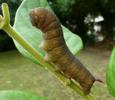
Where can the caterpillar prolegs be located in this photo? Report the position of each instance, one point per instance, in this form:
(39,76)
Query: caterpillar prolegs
(57,51)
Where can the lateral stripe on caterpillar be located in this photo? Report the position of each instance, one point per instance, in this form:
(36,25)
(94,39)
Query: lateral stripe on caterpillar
(57,51)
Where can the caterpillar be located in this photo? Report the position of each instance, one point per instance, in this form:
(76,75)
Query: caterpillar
(56,49)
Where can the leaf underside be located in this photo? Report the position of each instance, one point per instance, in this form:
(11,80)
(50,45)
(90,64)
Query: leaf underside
(33,36)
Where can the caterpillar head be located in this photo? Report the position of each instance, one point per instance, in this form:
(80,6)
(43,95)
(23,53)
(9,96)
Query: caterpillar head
(37,17)
(41,17)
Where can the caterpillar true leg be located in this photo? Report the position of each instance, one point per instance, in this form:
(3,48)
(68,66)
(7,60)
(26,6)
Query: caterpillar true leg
(41,46)
(46,58)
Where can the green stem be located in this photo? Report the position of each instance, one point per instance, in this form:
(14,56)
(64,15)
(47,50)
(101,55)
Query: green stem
(37,56)
(11,32)
(6,13)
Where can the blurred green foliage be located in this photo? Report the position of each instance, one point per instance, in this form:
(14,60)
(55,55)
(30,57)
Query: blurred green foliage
(6,42)
(78,15)
(19,95)
(110,73)
(73,14)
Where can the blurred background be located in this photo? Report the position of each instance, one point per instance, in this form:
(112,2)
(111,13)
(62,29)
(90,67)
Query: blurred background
(6,42)
(93,21)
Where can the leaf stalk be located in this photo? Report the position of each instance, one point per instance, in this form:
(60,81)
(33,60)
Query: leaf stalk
(5,25)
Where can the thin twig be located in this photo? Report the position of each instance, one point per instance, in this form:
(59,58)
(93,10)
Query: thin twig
(12,33)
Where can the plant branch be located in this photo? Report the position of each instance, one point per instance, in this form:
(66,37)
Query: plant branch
(6,13)
(5,25)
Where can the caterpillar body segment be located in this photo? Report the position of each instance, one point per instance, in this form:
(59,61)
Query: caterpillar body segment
(56,49)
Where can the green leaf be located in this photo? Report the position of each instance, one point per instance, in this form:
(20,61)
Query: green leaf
(110,76)
(33,36)
(19,95)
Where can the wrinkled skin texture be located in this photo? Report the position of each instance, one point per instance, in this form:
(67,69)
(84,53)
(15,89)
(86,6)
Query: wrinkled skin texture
(57,51)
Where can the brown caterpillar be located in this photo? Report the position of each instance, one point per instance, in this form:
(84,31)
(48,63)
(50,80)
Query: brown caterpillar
(57,51)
